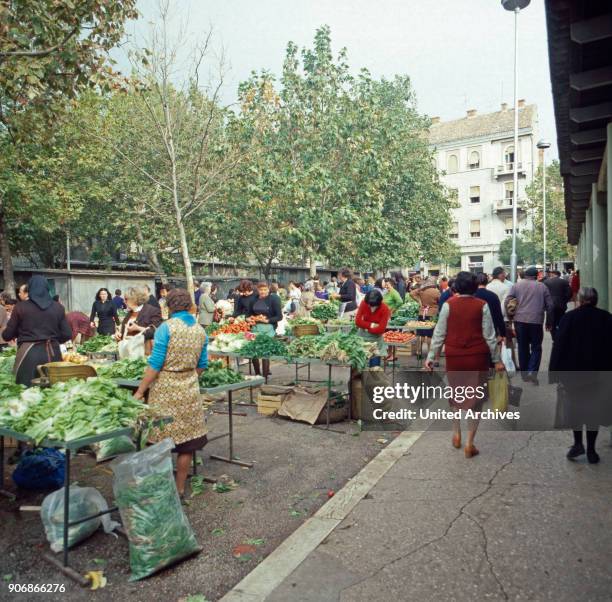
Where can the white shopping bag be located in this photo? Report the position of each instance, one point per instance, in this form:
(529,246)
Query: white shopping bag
(132,347)
(506,358)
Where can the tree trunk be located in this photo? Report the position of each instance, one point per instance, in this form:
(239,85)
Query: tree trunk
(312,267)
(152,257)
(5,253)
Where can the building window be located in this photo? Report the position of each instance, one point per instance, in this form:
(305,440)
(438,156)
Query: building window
(452,164)
(509,157)
(454,231)
(476,258)
(474,194)
(475,228)
(509,193)
(474,162)
(508,226)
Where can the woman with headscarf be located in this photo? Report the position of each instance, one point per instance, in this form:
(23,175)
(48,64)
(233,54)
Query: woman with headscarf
(206,307)
(39,325)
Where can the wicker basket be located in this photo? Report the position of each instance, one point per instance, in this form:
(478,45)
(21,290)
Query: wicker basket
(302,330)
(57,372)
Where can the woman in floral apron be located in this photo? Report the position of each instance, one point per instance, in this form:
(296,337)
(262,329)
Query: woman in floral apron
(179,356)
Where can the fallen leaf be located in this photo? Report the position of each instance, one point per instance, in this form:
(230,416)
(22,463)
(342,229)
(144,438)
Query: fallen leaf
(99,561)
(256,542)
(217,532)
(221,488)
(96,579)
(197,485)
(295,513)
(7,577)
(381,440)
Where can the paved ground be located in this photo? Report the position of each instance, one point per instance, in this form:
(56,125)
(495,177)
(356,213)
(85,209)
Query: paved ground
(518,522)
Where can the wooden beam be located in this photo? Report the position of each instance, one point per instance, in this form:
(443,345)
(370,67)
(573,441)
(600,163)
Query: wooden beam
(588,80)
(582,180)
(588,137)
(580,189)
(588,154)
(591,30)
(591,113)
(586,168)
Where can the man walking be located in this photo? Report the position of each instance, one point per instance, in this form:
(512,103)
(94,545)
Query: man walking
(533,301)
(561,293)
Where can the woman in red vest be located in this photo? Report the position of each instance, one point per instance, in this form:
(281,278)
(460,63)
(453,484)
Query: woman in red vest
(466,328)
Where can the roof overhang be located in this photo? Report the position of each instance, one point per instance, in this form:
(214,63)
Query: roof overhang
(580,53)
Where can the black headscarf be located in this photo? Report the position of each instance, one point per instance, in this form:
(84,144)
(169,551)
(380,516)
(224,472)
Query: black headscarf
(38,291)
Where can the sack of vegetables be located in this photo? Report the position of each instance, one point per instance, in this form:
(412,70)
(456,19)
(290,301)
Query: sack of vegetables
(157,528)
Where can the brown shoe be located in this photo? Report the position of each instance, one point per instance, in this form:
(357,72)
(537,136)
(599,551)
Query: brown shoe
(470,451)
(457,441)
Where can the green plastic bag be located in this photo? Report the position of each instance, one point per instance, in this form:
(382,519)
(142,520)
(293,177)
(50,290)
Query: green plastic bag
(498,391)
(151,511)
(111,448)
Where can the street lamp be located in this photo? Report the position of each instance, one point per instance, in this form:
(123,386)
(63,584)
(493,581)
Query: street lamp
(543,145)
(515,6)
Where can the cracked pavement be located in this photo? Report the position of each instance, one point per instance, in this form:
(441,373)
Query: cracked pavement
(518,522)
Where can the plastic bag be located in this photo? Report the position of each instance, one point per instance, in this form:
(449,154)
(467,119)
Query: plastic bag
(111,448)
(41,468)
(84,501)
(498,391)
(506,358)
(153,518)
(132,347)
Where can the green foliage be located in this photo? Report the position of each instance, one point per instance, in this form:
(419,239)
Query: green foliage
(526,251)
(218,374)
(131,369)
(263,346)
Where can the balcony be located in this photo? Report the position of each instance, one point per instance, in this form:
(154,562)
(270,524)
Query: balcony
(507,169)
(505,205)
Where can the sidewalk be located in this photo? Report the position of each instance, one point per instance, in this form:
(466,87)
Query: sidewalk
(518,522)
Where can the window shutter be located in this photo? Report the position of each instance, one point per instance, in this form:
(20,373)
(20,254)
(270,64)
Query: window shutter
(508,221)
(474,191)
(454,228)
(475,226)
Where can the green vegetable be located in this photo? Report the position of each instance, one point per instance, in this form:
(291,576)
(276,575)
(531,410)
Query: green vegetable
(95,343)
(126,368)
(9,352)
(157,528)
(263,346)
(325,311)
(6,364)
(218,374)
(71,410)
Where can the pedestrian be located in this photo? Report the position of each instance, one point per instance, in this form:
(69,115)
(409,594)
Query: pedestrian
(118,300)
(307,300)
(332,286)
(152,300)
(40,327)
(320,292)
(500,286)
(465,327)
(580,361)
(80,324)
(575,284)
(206,308)
(348,292)
(391,298)
(22,293)
(4,316)
(443,284)
(164,289)
(196,292)
(494,305)
(214,292)
(446,294)
(533,305)
(268,308)
(105,310)
(179,356)
(561,294)
(243,303)
(371,320)
(428,295)
(400,284)
(142,317)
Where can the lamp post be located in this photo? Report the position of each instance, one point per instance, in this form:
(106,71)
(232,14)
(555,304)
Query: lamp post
(515,6)
(543,145)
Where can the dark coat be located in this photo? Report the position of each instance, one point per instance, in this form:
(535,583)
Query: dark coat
(560,291)
(107,316)
(243,306)
(270,307)
(495,308)
(583,341)
(348,295)
(29,324)
(149,317)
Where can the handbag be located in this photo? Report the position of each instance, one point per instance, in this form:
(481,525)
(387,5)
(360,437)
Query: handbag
(498,391)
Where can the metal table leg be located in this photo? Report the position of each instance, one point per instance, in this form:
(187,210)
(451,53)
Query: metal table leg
(3,492)
(328,404)
(231,459)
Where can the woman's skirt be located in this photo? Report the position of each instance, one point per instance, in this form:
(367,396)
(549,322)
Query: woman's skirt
(266,329)
(32,355)
(191,446)
(106,327)
(467,371)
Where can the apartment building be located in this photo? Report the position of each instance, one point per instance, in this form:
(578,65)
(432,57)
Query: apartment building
(475,157)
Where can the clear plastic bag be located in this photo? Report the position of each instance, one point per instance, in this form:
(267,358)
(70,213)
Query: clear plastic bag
(151,511)
(506,358)
(83,502)
(111,448)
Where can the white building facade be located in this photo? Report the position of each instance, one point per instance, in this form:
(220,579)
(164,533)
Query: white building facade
(475,158)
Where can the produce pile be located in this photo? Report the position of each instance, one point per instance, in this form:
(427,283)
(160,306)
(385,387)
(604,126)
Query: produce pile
(394,336)
(218,374)
(235,326)
(421,325)
(304,322)
(70,410)
(263,346)
(74,358)
(100,342)
(337,346)
(325,311)
(7,360)
(8,387)
(404,313)
(127,368)
(229,343)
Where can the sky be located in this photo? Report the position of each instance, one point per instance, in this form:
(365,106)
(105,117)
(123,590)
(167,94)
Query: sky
(458,53)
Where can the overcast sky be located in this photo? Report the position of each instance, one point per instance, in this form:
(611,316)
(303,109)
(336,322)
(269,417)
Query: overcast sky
(458,53)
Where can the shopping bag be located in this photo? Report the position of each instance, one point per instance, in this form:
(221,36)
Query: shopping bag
(506,358)
(498,391)
(132,347)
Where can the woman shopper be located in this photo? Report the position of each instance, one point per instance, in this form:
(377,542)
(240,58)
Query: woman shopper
(400,284)
(307,301)
(582,344)
(22,293)
(348,292)
(268,307)
(391,298)
(428,295)
(243,303)
(206,307)
(466,328)
(142,318)
(179,356)
(371,320)
(39,325)
(105,310)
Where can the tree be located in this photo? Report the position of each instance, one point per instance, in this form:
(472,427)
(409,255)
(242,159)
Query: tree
(557,247)
(49,52)
(526,251)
